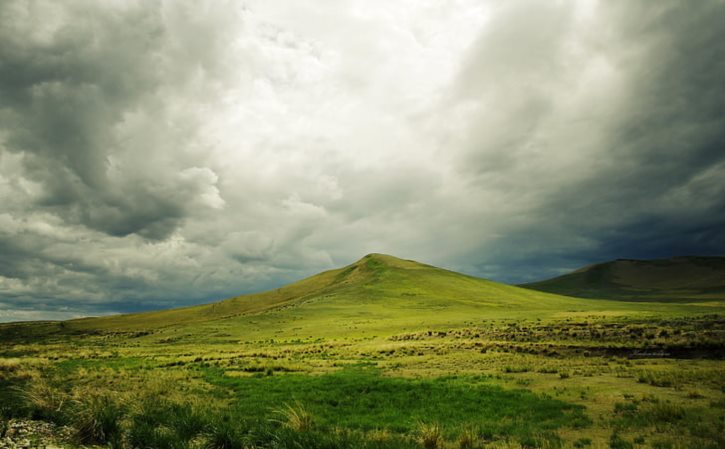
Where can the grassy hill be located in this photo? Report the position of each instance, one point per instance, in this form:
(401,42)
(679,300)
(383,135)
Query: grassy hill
(382,353)
(675,279)
(379,295)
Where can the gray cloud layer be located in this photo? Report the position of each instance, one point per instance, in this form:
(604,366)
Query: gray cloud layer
(161,153)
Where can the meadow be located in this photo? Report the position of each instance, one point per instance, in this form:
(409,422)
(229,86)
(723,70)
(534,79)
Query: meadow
(387,353)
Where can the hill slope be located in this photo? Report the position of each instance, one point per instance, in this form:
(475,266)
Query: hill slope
(379,295)
(376,284)
(679,278)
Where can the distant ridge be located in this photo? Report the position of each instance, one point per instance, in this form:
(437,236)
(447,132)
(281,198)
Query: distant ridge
(683,278)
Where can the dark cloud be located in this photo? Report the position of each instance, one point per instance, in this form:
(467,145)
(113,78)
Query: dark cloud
(64,96)
(650,184)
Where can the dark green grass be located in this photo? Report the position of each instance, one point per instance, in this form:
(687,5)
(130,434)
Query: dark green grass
(702,425)
(362,399)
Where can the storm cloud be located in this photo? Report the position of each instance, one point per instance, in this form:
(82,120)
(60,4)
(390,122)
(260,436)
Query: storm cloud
(163,153)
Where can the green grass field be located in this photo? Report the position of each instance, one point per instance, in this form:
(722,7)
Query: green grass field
(382,353)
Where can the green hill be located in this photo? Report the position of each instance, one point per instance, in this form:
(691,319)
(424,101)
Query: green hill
(377,287)
(377,295)
(676,279)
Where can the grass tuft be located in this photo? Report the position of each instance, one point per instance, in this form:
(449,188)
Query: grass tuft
(468,438)
(224,434)
(296,417)
(96,420)
(429,435)
(617,442)
(44,401)
(4,426)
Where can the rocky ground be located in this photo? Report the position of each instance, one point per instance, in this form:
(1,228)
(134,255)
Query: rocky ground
(21,433)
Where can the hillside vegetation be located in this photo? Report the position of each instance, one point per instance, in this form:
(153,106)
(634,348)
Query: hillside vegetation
(683,279)
(379,294)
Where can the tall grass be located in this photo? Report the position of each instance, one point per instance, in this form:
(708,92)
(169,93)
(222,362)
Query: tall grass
(468,438)
(429,435)
(224,433)
(97,420)
(4,426)
(295,417)
(44,401)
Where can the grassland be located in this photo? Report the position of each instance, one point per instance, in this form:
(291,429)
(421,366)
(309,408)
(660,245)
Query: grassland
(382,353)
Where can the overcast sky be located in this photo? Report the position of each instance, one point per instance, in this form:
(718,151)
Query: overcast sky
(163,153)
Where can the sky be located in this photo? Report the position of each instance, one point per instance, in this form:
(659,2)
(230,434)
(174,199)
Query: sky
(163,153)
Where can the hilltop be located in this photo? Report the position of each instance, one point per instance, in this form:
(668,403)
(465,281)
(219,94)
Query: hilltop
(685,278)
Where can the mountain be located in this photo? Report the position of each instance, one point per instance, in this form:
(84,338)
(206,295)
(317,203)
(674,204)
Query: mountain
(685,278)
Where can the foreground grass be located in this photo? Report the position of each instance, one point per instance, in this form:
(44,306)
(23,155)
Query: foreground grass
(350,408)
(581,381)
(364,400)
